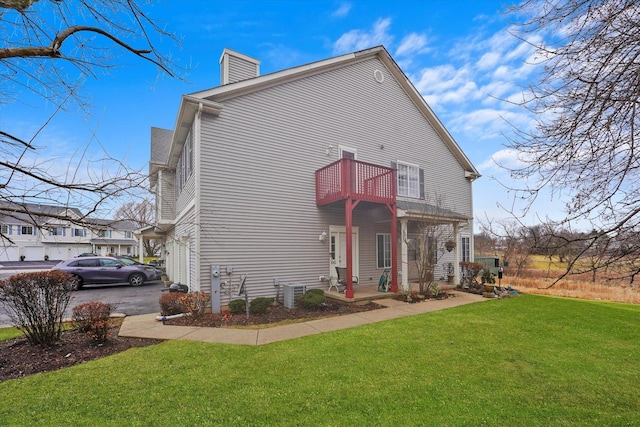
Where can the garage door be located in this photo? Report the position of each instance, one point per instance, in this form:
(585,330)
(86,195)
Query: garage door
(33,253)
(75,251)
(59,253)
(9,253)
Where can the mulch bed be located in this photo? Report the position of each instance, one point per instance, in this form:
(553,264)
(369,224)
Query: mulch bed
(275,314)
(19,359)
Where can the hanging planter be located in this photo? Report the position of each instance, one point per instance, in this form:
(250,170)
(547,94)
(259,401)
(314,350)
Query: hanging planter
(449,245)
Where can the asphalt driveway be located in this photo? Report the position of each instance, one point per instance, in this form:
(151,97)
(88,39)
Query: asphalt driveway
(129,300)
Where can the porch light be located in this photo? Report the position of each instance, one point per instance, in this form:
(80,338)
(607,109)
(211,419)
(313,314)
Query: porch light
(322,237)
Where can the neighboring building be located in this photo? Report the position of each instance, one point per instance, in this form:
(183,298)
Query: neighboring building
(268,175)
(59,232)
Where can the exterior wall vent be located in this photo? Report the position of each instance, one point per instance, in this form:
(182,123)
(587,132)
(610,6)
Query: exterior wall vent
(235,67)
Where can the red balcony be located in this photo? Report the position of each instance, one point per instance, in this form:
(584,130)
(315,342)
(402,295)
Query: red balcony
(348,178)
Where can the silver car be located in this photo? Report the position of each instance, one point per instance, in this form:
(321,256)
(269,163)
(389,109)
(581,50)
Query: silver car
(104,270)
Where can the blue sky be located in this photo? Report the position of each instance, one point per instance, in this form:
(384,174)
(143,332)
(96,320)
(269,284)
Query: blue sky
(458,54)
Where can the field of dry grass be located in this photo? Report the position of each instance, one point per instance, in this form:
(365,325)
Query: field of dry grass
(537,280)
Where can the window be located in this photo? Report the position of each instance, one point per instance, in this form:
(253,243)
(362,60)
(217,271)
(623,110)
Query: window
(104,233)
(79,232)
(57,231)
(383,250)
(86,263)
(25,229)
(184,168)
(128,250)
(128,234)
(466,249)
(410,180)
(106,262)
(6,229)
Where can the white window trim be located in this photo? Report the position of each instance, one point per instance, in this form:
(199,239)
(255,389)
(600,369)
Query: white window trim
(342,148)
(385,241)
(413,192)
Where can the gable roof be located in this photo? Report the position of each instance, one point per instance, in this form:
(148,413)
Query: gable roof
(35,213)
(210,100)
(42,215)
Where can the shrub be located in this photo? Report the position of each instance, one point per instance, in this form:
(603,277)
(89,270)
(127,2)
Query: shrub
(36,303)
(92,318)
(260,305)
(171,303)
(312,299)
(237,306)
(194,303)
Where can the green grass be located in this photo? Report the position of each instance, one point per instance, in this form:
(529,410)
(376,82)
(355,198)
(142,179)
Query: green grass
(527,361)
(9,333)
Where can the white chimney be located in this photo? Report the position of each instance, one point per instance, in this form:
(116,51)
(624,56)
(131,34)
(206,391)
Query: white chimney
(235,66)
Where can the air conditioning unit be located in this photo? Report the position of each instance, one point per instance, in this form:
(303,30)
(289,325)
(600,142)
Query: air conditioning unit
(291,291)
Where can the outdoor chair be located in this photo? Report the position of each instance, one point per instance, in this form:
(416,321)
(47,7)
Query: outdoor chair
(342,277)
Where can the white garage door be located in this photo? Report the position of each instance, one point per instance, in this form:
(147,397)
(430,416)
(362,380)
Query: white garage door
(9,253)
(59,253)
(33,253)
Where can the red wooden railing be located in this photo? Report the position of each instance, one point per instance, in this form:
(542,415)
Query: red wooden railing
(348,178)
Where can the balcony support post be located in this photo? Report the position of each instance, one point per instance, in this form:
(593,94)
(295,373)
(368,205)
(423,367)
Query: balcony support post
(350,205)
(394,246)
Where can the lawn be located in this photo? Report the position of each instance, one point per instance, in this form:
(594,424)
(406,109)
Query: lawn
(527,361)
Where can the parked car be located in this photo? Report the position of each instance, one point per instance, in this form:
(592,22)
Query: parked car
(130,261)
(86,254)
(105,270)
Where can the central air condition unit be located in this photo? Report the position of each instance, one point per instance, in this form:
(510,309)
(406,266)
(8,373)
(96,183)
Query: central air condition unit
(291,291)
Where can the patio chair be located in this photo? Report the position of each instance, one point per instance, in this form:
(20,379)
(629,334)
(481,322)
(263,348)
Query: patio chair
(342,277)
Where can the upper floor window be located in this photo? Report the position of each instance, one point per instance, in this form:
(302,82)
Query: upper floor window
(410,180)
(128,234)
(184,168)
(104,233)
(6,229)
(25,229)
(79,232)
(57,231)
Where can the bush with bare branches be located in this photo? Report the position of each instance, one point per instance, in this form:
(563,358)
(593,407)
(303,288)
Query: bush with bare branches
(36,303)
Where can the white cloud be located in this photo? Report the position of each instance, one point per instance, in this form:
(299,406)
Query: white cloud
(505,158)
(359,39)
(342,11)
(411,44)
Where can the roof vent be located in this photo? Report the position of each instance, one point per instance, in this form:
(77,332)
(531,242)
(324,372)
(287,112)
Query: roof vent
(235,67)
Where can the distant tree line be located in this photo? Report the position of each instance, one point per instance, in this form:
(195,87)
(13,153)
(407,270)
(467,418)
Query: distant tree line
(578,252)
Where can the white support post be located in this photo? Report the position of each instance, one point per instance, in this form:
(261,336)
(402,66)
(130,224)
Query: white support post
(456,255)
(140,248)
(405,254)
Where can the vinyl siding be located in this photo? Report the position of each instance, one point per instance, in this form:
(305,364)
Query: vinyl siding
(187,194)
(166,195)
(239,69)
(258,159)
(184,239)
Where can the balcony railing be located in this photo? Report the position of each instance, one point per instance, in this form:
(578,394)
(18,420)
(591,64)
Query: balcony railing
(348,178)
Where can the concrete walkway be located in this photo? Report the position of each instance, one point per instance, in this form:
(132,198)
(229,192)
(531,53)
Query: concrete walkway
(146,326)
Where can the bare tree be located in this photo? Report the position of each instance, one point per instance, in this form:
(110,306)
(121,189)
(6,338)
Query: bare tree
(516,242)
(142,214)
(484,244)
(49,48)
(586,104)
(433,233)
